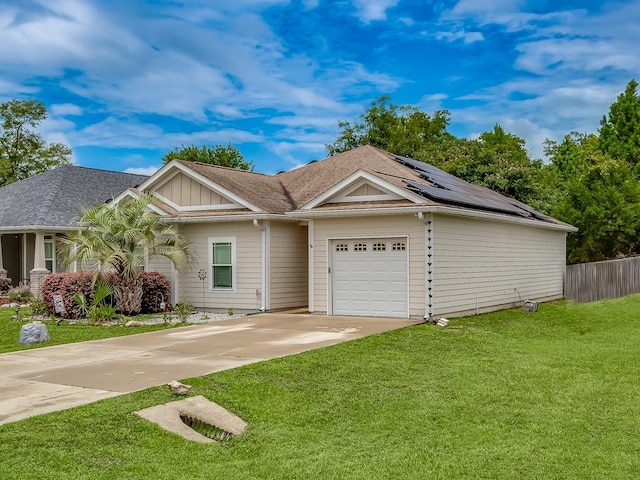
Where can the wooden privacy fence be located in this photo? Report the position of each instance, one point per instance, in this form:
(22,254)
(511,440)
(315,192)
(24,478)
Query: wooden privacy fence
(588,282)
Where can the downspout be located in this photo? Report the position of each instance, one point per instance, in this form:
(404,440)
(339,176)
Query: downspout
(428,264)
(263,303)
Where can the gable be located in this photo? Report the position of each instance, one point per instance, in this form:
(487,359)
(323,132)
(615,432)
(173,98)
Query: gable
(186,193)
(362,187)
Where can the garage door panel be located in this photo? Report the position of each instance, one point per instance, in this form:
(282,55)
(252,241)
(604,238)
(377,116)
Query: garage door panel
(369,277)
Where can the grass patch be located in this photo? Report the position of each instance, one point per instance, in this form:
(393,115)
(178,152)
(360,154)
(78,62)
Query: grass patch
(63,333)
(503,395)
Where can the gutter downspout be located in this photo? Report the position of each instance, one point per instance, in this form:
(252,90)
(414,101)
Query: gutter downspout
(263,303)
(428,264)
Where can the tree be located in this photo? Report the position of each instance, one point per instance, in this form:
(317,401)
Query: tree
(620,131)
(598,194)
(497,160)
(118,238)
(403,130)
(228,156)
(23,152)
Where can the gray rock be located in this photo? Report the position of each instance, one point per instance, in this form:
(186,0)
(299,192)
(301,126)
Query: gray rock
(31,333)
(178,388)
(134,323)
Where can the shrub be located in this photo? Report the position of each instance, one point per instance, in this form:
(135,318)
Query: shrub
(5,284)
(20,294)
(155,288)
(67,285)
(38,307)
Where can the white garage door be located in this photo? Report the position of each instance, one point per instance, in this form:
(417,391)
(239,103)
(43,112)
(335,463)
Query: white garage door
(369,277)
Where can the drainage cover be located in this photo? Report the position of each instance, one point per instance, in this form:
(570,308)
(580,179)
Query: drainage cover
(197,419)
(206,429)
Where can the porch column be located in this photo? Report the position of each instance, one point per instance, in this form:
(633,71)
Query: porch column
(39,271)
(3,272)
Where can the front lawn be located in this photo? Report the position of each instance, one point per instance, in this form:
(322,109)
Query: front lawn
(505,395)
(59,334)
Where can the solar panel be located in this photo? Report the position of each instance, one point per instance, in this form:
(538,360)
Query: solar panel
(448,188)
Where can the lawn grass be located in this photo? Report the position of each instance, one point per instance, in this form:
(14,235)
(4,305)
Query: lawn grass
(59,334)
(551,395)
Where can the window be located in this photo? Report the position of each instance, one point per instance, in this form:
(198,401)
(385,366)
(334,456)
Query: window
(49,253)
(398,247)
(222,256)
(342,247)
(359,247)
(379,247)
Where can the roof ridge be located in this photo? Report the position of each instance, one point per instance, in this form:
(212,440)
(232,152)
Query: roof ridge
(211,165)
(51,195)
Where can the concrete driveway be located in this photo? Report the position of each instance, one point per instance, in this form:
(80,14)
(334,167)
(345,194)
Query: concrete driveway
(55,378)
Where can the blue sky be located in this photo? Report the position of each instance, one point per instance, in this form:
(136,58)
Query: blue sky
(126,81)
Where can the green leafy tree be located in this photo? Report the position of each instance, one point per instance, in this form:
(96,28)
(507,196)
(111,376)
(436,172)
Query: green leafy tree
(620,130)
(117,239)
(497,160)
(225,156)
(403,130)
(23,152)
(598,194)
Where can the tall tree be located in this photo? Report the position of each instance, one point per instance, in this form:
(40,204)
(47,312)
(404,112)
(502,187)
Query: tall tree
(620,130)
(118,238)
(23,152)
(403,130)
(497,160)
(598,194)
(225,156)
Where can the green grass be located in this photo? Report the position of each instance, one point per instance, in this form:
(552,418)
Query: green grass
(551,395)
(63,333)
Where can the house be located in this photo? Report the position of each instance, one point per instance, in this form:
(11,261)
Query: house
(35,211)
(364,232)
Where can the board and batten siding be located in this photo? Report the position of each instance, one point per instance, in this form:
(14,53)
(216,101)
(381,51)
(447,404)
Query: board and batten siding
(247,295)
(326,229)
(288,272)
(484,265)
(185,191)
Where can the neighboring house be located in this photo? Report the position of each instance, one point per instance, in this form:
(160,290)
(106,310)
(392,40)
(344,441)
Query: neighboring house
(34,211)
(361,233)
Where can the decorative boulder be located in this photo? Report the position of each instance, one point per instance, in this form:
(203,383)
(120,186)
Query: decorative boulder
(34,332)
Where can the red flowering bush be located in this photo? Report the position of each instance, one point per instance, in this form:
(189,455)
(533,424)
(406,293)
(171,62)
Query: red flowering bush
(156,289)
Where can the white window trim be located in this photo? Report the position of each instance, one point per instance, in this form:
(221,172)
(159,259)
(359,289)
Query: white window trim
(234,266)
(52,241)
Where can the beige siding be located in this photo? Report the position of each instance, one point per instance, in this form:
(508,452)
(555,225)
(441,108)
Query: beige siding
(184,191)
(288,265)
(488,265)
(379,226)
(247,294)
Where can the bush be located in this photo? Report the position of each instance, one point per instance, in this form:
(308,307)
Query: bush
(20,294)
(155,287)
(5,284)
(67,285)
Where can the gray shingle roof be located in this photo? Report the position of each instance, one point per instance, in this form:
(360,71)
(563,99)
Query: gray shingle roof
(57,197)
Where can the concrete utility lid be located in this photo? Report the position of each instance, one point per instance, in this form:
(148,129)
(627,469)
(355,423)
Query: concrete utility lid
(168,417)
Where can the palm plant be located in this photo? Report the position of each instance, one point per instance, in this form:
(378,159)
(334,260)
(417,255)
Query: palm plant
(117,238)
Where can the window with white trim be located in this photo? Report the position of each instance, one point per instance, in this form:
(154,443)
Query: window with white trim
(398,247)
(222,256)
(379,247)
(49,253)
(342,247)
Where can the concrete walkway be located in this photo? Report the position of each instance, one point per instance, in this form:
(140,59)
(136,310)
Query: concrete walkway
(55,378)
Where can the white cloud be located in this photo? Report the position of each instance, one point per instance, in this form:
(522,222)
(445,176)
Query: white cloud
(466,37)
(148,171)
(63,109)
(373,10)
